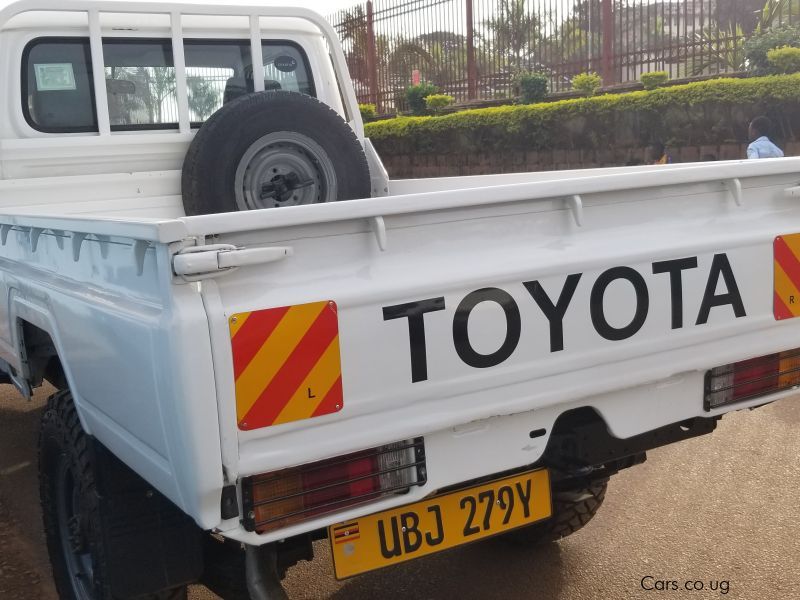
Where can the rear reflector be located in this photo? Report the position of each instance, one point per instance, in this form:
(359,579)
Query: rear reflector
(275,500)
(752,378)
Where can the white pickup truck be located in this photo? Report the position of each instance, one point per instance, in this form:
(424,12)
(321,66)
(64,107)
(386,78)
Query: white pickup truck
(429,363)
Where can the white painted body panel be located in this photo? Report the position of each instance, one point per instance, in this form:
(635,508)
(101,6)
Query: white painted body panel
(476,421)
(89,226)
(148,355)
(113,328)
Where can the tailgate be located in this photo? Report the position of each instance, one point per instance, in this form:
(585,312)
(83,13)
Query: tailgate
(391,318)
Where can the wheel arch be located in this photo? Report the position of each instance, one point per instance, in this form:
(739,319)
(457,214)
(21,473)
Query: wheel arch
(40,350)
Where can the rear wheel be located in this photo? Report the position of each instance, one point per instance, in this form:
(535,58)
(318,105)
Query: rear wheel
(273,149)
(572,510)
(70,507)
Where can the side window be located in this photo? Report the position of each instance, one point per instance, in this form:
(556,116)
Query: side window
(140,80)
(285,65)
(57,88)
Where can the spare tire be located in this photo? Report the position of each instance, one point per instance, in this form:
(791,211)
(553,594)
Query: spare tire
(272,149)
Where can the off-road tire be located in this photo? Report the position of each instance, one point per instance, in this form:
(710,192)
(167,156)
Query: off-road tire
(63,441)
(572,510)
(208,181)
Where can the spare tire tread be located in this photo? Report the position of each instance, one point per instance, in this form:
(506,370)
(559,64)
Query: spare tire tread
(210,164)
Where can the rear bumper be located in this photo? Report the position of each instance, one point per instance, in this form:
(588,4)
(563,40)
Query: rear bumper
(564,437)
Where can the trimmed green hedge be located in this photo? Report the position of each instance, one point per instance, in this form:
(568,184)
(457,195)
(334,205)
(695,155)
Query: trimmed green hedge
(707,112)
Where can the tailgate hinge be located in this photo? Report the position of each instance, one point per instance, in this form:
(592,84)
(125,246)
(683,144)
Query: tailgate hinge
(201,262)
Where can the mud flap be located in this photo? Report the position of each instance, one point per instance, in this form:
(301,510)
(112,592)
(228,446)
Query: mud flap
(149,543)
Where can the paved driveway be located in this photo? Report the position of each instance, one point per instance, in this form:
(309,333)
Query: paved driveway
(717,511)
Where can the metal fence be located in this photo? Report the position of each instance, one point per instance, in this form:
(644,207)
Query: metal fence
(471,49)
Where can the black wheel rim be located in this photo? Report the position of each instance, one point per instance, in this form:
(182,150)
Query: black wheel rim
(72,532)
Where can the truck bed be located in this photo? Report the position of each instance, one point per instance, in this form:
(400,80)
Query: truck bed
(154,195)
(105,267)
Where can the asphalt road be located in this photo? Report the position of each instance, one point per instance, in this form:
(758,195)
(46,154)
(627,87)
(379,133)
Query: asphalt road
(720,510)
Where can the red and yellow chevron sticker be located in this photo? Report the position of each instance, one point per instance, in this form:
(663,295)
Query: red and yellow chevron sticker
(786,302)
(286,363)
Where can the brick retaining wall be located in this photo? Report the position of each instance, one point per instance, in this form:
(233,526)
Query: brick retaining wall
(406,166)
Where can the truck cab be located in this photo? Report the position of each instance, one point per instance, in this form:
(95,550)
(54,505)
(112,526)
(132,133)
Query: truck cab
(61,118)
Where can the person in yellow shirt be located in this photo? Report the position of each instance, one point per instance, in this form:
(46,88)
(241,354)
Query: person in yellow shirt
(658,154)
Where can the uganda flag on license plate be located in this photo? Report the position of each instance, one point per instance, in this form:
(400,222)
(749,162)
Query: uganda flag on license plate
(346,532)
(286,364)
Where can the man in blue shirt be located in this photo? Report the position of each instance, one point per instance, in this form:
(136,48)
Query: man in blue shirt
(761,146)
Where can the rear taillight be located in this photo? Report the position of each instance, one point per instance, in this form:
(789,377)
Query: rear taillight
(752,378)
(286,497)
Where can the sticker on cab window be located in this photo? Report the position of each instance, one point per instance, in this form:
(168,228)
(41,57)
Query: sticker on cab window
(52,77)
(287,64)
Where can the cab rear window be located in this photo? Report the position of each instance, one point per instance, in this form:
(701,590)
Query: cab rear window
(58,90)
(220,71)
(140,83)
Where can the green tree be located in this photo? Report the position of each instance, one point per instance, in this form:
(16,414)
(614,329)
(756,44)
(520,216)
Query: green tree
(569,42)
(514,34)
(353,34)
(440,57)
(575,43)
(776,12)
(203,98)
(742,13)
(721,50)
(727,50)
(153,86)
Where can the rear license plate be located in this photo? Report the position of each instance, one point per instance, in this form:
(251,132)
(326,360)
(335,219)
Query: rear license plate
(430,526)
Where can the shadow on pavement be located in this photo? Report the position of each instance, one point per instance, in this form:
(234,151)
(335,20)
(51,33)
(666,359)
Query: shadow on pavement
(490,569)
(20,518)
